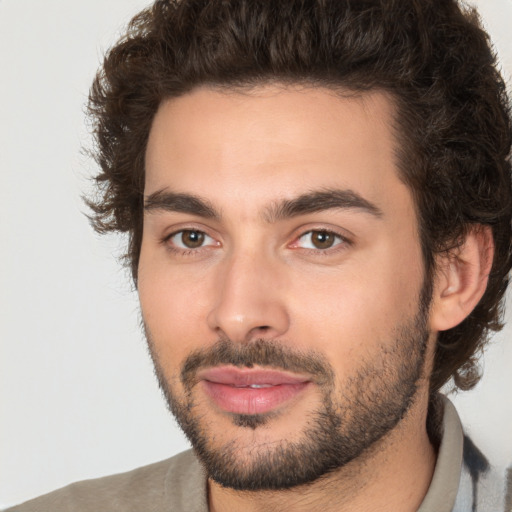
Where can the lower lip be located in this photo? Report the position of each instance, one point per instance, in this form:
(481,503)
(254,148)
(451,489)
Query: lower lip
(251,400)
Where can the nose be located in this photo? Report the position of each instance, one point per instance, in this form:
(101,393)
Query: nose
(250,300)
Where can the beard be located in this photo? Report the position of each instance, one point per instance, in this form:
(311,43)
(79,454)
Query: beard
(350,420)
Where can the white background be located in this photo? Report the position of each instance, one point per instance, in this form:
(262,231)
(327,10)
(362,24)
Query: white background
(77,394)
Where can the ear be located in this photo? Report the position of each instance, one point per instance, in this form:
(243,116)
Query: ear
(461,279)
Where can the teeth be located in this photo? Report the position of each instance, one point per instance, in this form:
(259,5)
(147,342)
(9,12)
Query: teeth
(256,386)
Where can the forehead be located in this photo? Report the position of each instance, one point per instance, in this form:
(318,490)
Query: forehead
(272,141)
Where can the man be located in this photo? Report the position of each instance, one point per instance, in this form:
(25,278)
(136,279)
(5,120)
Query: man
(318,200)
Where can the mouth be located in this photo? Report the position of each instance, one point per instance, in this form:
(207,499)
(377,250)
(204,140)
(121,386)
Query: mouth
(251,390)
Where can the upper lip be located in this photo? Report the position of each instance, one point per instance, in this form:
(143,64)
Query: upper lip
(239,377)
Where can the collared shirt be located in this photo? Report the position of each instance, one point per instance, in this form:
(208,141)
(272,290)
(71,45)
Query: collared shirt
(463,481)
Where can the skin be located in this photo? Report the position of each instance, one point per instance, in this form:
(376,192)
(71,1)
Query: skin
(256,277)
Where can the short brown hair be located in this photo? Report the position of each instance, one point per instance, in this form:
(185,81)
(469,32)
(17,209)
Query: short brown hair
(431,56)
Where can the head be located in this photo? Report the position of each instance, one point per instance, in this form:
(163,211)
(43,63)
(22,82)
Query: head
(425,69)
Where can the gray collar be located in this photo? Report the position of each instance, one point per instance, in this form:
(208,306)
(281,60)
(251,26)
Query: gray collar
(443,489)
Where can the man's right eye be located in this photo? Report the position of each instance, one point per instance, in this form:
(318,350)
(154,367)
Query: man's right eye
(190,239)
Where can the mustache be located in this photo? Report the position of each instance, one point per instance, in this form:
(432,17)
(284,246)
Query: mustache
(259,352)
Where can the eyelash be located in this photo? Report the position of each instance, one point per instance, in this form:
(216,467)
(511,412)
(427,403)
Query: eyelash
(181,251)
(342,244)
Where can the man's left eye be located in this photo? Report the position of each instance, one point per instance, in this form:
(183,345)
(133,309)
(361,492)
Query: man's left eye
(319,239)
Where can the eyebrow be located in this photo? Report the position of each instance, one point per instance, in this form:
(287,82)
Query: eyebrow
(321,200)
(178,202)
(310,202)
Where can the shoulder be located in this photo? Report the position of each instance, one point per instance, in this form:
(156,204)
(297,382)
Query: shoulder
(150,488)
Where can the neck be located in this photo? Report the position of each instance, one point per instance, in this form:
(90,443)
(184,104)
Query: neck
(392,476)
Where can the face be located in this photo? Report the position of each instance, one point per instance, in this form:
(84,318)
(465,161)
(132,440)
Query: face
(281,279)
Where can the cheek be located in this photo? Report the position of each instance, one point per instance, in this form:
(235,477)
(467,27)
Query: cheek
(174,311)
(350,313)
(339,318)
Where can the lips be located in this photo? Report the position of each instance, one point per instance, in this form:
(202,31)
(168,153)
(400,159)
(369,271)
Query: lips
(251,390)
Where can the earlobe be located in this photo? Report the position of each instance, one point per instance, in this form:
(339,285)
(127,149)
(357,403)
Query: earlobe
(461,279)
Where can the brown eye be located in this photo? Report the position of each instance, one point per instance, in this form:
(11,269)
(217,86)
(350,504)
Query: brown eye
(320,239)
(323,239)
(192,239)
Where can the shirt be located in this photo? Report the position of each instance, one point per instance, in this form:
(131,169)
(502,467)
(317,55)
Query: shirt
(463,481)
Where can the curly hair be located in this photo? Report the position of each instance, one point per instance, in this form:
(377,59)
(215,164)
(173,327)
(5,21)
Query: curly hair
(431,56)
